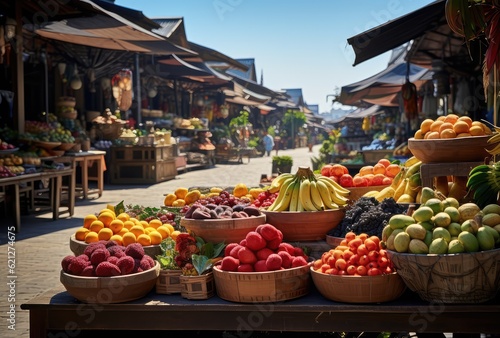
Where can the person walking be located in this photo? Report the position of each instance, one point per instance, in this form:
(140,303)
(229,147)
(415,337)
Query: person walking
(268,143)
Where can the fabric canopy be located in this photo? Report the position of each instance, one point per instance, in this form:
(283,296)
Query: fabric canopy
(107,30)
(365,112)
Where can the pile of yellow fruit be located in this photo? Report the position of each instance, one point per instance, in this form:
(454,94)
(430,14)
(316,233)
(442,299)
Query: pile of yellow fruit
(451,126)
(183,196)
(123,229)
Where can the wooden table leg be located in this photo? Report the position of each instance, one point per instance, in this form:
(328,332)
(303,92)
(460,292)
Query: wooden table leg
(56,189)
(100,175)
(71,193)
(17,208)
(85,178)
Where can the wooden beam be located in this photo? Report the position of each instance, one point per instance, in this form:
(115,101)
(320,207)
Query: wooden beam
(18,86)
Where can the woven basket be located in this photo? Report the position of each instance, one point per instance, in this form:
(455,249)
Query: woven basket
(359,289)
(197,287)
(108,131)
(262,287)
(169,282)
(457,278)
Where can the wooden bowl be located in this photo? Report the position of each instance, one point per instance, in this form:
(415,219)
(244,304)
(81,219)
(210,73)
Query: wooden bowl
(47,145)
(333,241)
(107,290)
(65,146)
(227,230)
(462,149)
(304,225)
(77,247)
(56,152)
(359,289)
(262,287)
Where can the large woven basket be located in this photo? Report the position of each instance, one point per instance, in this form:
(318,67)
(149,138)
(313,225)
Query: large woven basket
(359,289)
(457,278)
(262,287)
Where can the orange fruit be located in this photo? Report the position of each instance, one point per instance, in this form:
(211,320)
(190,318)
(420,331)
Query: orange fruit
(116,225)
(137,230)
(181,192)
(418,135)
(106,218)
(436,125)
(448,133)
(117,238)
(128,224)
(461,127)
(149,229)
(174,234)
(464,135)
(444,126)
(155,223)
(155,237)
(169,226)
(433,135)
(366,170)
(425,126)
(144,224)
(169,199)
(466,119)
(164,231)
(441,118)
(91,237)
(88,220)
(134,220)
(378,168)
(180,202)
(122,231)
(80,233)
(96,226)
(144,240)
(128,238)
(392,170)
(107,210)
(123,216)
(476,131)
(384,161)
(105,234)
(451,118)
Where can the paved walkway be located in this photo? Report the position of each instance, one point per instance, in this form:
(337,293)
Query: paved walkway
(42,243)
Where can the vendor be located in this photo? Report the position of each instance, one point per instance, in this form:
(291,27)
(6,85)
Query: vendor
(202,141)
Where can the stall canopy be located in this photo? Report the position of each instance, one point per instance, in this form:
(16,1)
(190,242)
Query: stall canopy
(365,112)
(396,32)
(108,30)
(383,88)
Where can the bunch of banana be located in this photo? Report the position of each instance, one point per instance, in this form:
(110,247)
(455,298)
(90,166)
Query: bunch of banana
(407,183)
(495,139)
(305,191)
(484,182)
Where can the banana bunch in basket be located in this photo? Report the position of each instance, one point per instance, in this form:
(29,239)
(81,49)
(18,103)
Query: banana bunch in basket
(305,191)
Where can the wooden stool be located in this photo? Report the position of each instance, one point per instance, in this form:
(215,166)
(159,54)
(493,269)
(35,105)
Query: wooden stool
(430,170)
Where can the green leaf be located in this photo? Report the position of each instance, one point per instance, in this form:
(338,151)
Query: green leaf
(201,263)
(119,208)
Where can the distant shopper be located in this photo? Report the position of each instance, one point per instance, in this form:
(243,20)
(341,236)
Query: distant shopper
(268,143)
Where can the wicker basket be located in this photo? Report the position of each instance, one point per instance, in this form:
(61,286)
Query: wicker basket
(262,287)
(359,289)
(197,287)
(108,290)
(457,278)
(226,230)
(108,131)
(169,282)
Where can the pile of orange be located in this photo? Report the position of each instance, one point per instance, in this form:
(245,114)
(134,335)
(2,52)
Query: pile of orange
(451,126)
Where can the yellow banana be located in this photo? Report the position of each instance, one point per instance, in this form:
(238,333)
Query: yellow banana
(494,138)
(411,161)
(284,202)
(294,200)
(283,187)
(325,195)
(278,181)
(337,197)
(316,197)
(305,195)
(495,150)
(335,186)
(398,178)
(400,189)
(387,192)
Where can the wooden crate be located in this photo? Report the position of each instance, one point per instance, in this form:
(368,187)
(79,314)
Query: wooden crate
(198,287)
(132,172)
(169,282)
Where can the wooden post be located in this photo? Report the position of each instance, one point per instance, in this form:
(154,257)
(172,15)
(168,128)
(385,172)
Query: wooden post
(19,71)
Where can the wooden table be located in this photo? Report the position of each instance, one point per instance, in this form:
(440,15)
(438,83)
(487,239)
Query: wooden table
(86,160)
(55,178)
(56,310)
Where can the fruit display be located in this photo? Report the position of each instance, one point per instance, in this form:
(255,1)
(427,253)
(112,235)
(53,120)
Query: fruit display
(123,229)
(11,160)
(444,227)
(382,173)
(357,255)
(107,259)
(260,251)
(240,194)
(367,215)
(46,132)
(5,172)
(405,186)
(4,145)
(305,191)
(213,211)
(451,126)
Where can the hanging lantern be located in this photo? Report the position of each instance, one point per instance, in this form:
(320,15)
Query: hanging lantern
(76,82)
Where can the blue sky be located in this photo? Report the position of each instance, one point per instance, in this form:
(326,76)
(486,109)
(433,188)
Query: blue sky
(295,43)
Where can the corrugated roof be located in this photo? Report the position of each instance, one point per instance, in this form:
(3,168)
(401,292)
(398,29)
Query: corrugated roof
(247,75)
(173,29)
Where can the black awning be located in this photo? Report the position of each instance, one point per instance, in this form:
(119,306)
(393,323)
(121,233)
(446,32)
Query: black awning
(396,32)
